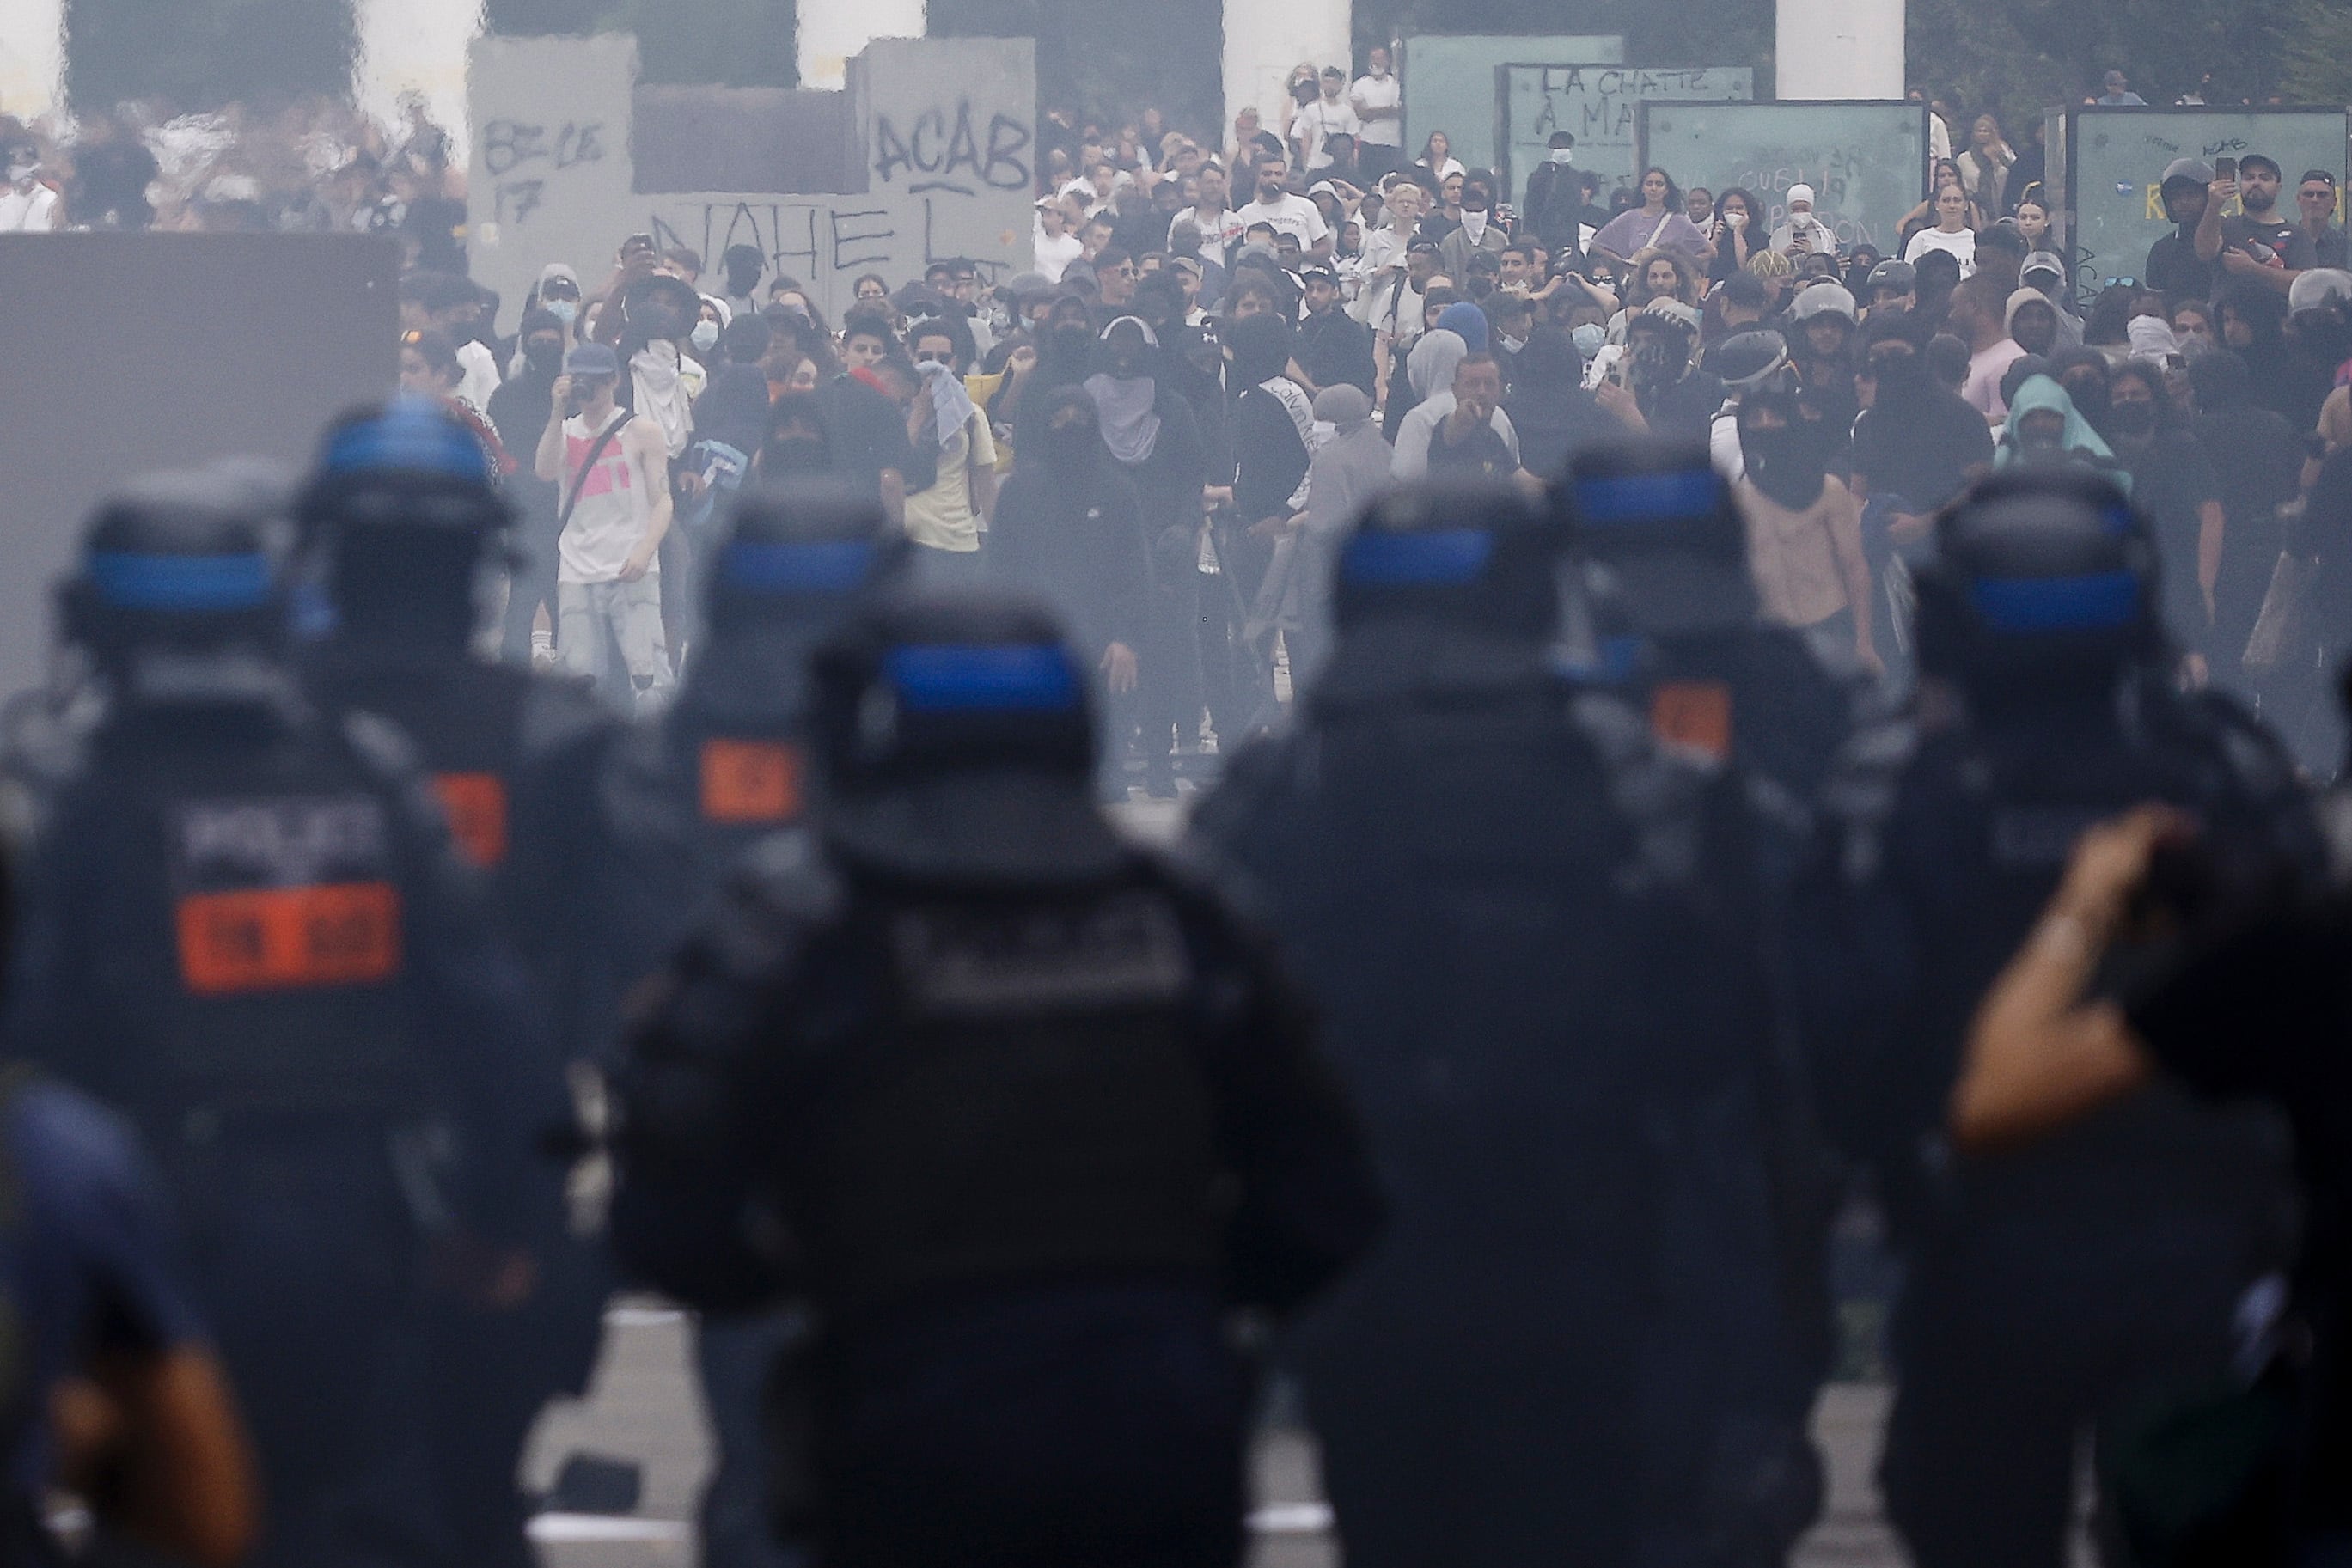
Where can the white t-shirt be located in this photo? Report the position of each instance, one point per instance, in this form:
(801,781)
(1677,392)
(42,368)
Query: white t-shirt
(613,513)
(1291,215)
(1219,229)
(1378,103)
(1961,248)
(942,517)
(27,212)
(1055,255)
(481,368)
(1321,121)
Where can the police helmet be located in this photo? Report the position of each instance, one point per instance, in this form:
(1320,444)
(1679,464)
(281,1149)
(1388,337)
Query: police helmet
(1747,362)
(2042,577)
(1480,555)
(952,727)
(1655,519)
(176,561)
(802,554)
(407,465)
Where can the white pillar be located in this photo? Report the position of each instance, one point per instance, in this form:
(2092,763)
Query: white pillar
(415,46)
(1838,49)
(1266,39)
(32,57)
(831,31)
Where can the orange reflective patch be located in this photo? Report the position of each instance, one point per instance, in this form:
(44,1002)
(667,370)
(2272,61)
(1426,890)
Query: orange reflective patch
(1692,713)
(475,805)
(750,781)
(280,938)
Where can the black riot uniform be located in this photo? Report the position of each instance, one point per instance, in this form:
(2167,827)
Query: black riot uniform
(401,524)
(1022,1111)
(2046,1291)
(1524,919)
(683,797)
(245,928)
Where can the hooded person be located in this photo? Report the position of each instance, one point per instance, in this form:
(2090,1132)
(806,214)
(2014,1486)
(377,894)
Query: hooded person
(1802,233)
(797,443)
(2045,428)
(1148,428)
(1804,531)
(1467,322)
(1555,417)
(1065,357)
(2152,340)
(1069,528)
(1349,473)
(2260,465)
(2031,322)
(2253,319)
(1267,425)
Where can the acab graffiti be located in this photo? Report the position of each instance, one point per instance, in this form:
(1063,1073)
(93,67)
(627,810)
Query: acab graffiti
(940,144)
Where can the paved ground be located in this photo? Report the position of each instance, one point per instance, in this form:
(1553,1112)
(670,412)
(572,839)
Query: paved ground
(644,1407)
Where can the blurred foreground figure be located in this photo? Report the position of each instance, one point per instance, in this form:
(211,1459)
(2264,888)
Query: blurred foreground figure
(404,526)
(2046,1292)
(685,795)
(1521,917)
(1020,1111)
(113,1391)
(243,928)
(2056,1040)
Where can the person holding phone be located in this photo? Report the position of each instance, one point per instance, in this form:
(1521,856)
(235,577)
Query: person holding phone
(2179,267)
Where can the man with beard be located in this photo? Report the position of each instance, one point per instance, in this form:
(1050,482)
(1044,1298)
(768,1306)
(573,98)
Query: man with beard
(1068,529)
(2259,243)
(1334,348)
(2181,264)
(1294,215)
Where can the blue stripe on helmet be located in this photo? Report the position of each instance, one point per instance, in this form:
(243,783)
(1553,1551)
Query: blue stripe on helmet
(836,566)
(412,436)
(983,678)
(1443,559)
(2099,601)
(198,582)
(1649,498)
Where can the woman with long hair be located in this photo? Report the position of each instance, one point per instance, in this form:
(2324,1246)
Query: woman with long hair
(1738,232)
(1659,220)
(1437,157)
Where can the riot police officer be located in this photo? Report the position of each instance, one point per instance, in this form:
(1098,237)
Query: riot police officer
(402,528)
(1525,922)
(684,795)
(1022,1112)
(245,928)
(2045,1291)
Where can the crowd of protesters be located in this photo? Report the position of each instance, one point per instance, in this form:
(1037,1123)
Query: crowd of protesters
(1225,344)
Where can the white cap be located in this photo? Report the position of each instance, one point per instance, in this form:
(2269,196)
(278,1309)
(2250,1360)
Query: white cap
(1801,194)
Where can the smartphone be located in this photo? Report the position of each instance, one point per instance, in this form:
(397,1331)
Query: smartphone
(2225,168)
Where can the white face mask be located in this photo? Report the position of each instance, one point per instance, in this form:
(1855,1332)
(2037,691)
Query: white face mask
(1474,224)
(705,336)
(1513,345)
(564,310)
(1563,156)
(20,173)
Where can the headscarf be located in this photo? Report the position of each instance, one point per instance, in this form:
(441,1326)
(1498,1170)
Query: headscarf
(2152,340)
(1551,363)
(1130,425)
(952,406)
(1465,321)
(2039,394)
(1262,347)
(1430,365)
(1066,455)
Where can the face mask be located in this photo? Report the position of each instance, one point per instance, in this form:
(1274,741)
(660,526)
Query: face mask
(1590,339)
(706,336)
(1513,345)
(2132,418)
(1074,340)
(1563,156)
(1473,223)
(545,361)
(1068,445)
(20,173)
(564,310)
(2037,440)
(2325,336)
(788,453)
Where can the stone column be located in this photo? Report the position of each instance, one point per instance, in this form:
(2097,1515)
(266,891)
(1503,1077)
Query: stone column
(1266,39)
(32,57)
(832,31)
(1839,48)
(415,46)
